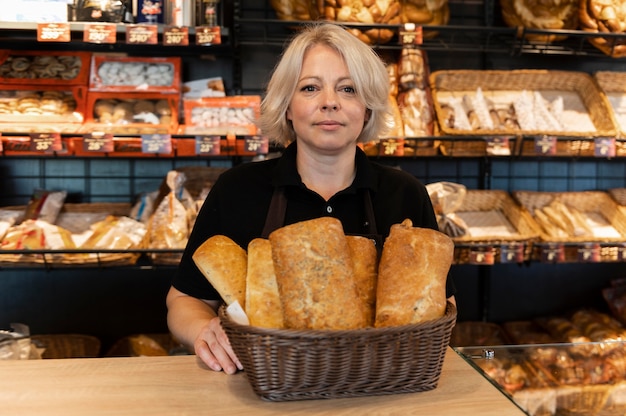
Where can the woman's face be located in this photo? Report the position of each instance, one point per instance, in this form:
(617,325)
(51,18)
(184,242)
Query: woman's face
(324,110)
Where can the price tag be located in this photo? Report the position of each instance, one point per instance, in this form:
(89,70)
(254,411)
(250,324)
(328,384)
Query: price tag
(545,145)
(208,35)
(176,36)
(98,142)
(498,146)
(411,34)
(256,144)
(45,142)
(208,145)
(604,147)
(156,143)
(482,255)
(142,34)
(553,253)
(53,32)
(391,147)
(100,33)
(589,253)
(512,253)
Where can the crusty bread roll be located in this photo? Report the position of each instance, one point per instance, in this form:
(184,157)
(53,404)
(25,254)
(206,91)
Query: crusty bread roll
(263,305)
(224,264)
(412,275)
(365,261)
(315,276)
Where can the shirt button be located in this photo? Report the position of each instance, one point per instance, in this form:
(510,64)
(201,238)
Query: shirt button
(329,209)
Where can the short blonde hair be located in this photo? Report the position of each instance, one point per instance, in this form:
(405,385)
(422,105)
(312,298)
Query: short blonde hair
(366,69)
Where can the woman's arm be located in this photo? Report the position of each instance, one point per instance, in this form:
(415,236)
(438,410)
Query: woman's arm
(195,323)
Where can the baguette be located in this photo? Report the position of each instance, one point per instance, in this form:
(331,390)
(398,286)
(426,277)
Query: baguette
(224,264)
(263,305)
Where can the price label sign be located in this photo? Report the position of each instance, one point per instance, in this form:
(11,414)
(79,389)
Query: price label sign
(45,142)
(208,145)
(256,144)
(142,34)
(498,146)
(156,143)
(98,142)
(208,35)
(176,36)
(545,145)
(100,33)
(411,34)
(53,32)
(604,147)
(482,255)
(391,147)
(589,253)
(512,253)
(553,253)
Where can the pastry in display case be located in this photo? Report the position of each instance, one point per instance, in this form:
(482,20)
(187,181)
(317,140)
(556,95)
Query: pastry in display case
(135,74)
(44,67)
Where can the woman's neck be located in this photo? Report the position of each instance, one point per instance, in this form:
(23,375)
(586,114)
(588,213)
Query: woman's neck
(326,175)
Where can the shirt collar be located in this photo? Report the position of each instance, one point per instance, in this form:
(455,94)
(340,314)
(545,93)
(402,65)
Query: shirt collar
(286,172)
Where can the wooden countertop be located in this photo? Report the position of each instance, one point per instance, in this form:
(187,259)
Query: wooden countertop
(181,385)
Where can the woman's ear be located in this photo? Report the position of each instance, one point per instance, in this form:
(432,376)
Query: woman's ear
(368,114)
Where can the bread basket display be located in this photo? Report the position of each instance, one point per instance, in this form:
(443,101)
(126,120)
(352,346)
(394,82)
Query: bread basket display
(314,313)
(604,17)
(544,15)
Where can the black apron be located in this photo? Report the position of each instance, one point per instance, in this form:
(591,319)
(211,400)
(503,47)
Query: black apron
(278,209)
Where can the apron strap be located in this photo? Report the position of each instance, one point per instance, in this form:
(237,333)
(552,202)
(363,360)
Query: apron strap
(276,213)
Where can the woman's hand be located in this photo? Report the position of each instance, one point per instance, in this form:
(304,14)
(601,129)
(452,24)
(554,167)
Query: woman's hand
(213,348)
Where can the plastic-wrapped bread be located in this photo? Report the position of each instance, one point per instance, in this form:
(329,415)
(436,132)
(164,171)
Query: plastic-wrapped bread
(365,260)
(263,305)
(224,264)
(315,276)
(412,275)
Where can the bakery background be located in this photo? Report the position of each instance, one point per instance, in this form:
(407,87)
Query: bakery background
(475,35)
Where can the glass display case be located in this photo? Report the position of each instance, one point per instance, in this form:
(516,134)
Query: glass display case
(556,379)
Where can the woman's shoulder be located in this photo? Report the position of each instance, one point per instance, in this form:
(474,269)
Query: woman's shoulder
(249,171)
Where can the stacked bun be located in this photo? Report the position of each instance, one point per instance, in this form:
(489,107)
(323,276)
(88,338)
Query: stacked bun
(310,275)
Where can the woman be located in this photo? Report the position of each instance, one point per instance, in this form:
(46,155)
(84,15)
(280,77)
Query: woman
(328,93)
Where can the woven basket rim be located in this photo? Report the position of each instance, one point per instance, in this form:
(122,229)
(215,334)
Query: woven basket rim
(450,314)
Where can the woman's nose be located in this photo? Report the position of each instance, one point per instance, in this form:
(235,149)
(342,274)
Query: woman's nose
(329,101)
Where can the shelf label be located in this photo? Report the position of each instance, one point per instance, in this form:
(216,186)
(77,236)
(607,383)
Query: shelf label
(53,32)
(410,34)
(256,144)
(482,255)
(208,145)
(208,35)
(156,143)
(142,34)
(498,146)
(604,147)
(98,142)
(176,36)
(45,142)
(512,253)
(545,145)
(391,147)
(553,253)
(100,33)
(589,253)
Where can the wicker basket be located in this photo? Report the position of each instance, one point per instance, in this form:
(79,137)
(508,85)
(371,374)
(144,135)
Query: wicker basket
(613,84)
(597,202)
(577,85)
(502,202)
(77,216)
(619,196)
(285,365)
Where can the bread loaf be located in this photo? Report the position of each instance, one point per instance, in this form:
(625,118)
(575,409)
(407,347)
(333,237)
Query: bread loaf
(365,260)
(263,305)
(315,276)
(412,275)
(224,264)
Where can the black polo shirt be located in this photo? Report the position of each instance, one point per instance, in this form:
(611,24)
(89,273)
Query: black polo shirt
(238,204)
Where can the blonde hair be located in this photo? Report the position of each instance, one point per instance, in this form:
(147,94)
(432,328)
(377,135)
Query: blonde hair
(366,69)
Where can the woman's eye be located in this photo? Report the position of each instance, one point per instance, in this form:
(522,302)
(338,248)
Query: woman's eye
(349,90)
(308,88)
